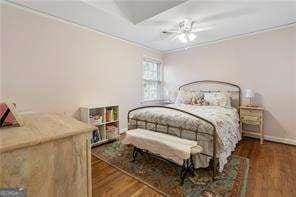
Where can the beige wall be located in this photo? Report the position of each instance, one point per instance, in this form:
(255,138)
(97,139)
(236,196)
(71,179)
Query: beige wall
(264,62)
(49,65)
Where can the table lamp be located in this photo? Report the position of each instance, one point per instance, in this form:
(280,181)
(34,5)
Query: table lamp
(249,94)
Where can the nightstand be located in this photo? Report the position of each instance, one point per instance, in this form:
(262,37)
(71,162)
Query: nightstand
(252,116)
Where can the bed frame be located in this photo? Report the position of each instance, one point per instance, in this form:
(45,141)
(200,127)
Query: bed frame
(203,86)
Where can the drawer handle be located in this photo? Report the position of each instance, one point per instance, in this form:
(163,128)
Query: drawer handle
(250,118)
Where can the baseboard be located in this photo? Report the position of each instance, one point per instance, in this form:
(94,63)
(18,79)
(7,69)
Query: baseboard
(271,138)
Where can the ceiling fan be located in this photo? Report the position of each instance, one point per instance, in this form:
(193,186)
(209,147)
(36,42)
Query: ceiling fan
(186,31)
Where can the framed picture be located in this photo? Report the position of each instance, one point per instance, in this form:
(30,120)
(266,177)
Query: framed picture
(9,115)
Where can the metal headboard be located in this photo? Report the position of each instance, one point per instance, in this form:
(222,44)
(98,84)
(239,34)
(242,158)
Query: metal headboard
(216,86)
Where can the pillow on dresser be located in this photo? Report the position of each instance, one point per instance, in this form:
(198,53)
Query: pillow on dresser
(218,99)
(184,97)
(8,115)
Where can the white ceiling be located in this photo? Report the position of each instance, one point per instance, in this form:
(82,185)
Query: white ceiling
(142,21)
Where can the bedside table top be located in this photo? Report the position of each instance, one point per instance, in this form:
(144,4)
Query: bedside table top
(252,107)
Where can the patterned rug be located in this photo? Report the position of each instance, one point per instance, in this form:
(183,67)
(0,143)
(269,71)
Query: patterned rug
(163,176)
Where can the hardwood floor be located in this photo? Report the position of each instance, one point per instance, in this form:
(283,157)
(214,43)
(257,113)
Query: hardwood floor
(272,168)
(272,173)
(108,181)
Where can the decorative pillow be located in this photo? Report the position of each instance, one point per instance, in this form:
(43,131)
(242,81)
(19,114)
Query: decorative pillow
(184,97)
(201,102)
(198,95)
(218,99)
(198,99)
(9,115)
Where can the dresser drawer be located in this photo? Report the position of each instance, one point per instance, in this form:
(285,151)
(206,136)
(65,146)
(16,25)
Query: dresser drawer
(254,120)
(249,112)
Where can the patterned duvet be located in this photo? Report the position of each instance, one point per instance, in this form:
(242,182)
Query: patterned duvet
(226,121)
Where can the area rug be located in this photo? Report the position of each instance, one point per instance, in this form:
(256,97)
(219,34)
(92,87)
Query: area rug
(163,176)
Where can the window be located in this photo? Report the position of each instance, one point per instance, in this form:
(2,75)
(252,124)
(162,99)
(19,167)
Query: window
(151,81)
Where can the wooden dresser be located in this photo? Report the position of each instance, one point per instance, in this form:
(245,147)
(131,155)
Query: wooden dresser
(49,156)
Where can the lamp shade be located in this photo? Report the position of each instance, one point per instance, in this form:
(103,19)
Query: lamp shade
(249,93)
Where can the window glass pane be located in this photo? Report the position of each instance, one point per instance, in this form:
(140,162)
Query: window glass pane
(150,71)
(151,90)
(151,80)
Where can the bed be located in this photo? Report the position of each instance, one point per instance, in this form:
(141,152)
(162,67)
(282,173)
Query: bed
(214,127)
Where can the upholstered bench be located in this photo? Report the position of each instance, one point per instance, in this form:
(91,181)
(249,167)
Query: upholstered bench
(167,146)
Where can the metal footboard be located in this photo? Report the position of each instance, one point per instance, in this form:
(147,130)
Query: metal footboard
(213,135)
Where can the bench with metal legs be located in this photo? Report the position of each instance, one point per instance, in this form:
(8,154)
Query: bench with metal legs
(187,167)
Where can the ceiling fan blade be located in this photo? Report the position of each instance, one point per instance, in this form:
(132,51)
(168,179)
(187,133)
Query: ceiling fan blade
(163,36)
(200,29)
(157,23)
(172,38)
(170,31)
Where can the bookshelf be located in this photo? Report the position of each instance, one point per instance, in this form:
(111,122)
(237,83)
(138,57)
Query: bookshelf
(106,119)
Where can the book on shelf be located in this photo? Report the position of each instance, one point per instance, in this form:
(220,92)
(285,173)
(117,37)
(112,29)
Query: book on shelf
(109,115)
(96,136)
(96,119)
(115,115)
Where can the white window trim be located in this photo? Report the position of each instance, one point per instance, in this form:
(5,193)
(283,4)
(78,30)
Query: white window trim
(158,61)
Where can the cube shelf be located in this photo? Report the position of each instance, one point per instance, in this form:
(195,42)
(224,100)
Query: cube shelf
(106,120)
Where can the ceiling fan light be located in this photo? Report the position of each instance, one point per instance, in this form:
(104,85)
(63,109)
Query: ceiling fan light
(191,36)
(182,38)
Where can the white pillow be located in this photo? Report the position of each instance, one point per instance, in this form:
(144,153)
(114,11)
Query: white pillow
(218,99)
(184,97)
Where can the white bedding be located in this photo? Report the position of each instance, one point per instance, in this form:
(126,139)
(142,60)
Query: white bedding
(226,121)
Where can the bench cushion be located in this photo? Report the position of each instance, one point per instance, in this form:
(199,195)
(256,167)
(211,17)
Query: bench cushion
(168,146)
